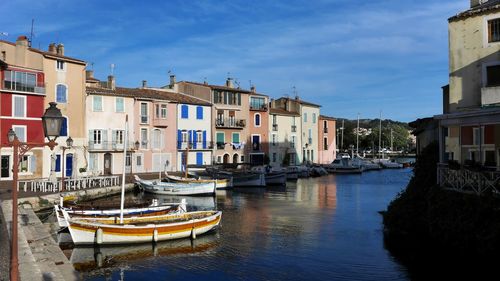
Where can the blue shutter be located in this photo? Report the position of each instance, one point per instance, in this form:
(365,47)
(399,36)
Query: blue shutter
(195,139)
(199,113)
(58,163)
(204,139)
(64,128)
(179,139)
(184,112)
(199,158)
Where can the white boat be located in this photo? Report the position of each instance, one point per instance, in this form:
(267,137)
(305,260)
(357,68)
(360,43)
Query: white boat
(366,164)
(303,171)
(249,180)
(176,188)
(153,209)
(219,183)
(343,166)
(388,164)
(142,229)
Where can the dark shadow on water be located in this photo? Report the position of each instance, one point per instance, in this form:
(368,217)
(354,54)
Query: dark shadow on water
(425,260)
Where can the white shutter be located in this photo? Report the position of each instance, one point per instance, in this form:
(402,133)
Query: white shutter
(33,163)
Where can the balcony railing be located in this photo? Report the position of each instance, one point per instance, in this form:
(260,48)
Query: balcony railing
(294,128)
(39,88)
(464,180)
(109,146)
(275,127)
(230,123)
(199,145)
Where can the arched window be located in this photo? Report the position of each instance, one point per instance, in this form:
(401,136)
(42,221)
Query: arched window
(257,120)
(61,93)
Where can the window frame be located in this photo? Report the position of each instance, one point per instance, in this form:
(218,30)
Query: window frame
(63,64)
(25,108)
(94,109)
(144,119)
(116,104)
(25,128)
(255,120)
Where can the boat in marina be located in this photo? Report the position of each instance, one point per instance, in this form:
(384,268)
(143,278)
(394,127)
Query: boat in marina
(241,179)
(153,210)
(388,164)
(272,176)
(292,173)
(219,183)
(366,164)
(142,229)
(176,188)
(343,166)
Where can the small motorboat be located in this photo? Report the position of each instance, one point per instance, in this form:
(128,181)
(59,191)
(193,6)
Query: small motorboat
(343,166)
(272,176)
(249,179)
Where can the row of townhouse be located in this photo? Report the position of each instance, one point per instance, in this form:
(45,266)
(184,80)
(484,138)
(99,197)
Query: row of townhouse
(198,122)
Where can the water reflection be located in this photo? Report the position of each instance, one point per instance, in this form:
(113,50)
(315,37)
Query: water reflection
(325,228)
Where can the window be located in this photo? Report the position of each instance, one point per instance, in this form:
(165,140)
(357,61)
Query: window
(20,132)
(476,136)
(242,159)
(292,144)
(61,93)
(97,103)
(24,163)
(60,65)
(184,137)
(257,120)
(256,142)
(138,160)
(118,136)
(161,111)
(236,138)
(314,118)
(257,103)
(199,113)
(227,98)
(494,30)
(219,159)
(144,138)
(220,140)
(156,139)
(21,81)
(144,112)
(220,118)
(119,104)
(305,117)
(19,106)
(199,139)
(184,112)
(325,143)
(274,140)
(493,76)
(97,136)
(274,119)
(274,157)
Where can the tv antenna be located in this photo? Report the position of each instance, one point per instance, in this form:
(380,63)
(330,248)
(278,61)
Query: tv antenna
(32,33)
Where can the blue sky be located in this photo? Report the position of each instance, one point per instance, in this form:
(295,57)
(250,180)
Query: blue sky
(349,56)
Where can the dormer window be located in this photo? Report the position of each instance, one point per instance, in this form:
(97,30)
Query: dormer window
(61,65)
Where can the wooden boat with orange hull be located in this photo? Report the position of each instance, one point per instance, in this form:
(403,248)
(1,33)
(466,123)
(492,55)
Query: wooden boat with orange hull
(142,229)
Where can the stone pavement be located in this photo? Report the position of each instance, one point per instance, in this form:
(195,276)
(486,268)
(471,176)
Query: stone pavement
(4,249)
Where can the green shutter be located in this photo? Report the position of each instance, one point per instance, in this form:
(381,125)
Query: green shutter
(236,137)
(220,137)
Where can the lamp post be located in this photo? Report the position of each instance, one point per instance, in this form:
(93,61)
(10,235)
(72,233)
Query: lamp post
(51,120)
(69,145)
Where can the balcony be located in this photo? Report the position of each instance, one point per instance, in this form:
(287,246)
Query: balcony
(294,129)
(258,107)
(159,122)
(275,127)
(39,88)
(490,96)
(109,146)
(230,123)
(199,145)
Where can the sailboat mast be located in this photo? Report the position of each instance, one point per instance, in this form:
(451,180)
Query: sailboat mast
(125,143)
(357,138)
(380,135)
(186,161)
(342,138)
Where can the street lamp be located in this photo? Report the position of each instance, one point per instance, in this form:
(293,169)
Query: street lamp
(51,120)
(69,145)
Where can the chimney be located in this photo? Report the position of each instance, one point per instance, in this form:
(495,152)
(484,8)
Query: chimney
(229,82)
(475,3)
(22,41)
(89,74)
(253,89)
(52,48)
(111,82)
(60,50)
(144,84)
(172,81)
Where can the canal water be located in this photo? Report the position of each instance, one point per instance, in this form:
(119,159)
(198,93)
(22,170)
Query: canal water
(325,228)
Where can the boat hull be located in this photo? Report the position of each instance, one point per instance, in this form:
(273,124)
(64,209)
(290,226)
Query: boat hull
(276,178)
(89,233)
(219,183)
(183,189)
(249,180)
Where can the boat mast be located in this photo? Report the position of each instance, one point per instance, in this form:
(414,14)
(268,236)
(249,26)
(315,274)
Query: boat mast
(380,135)
(357,138)
(125,143)
(342,138)
(186,160)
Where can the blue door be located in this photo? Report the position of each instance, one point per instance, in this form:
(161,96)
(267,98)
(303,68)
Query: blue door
(199,158)
(69,165)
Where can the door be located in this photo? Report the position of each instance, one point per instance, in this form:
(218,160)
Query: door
(256,142)
(235,158)
(226,159)
(107,163)
(5,166)
(69,165)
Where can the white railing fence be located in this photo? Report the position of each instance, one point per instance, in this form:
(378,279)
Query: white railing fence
(46,185)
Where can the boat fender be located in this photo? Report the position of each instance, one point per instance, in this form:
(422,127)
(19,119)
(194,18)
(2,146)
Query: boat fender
(98,259)
(193,233)
(155,235)
(98,236)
